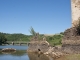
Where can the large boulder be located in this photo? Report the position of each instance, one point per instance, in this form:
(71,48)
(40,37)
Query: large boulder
(37,45)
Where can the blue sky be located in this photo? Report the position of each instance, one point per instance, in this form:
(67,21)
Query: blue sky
(45,16)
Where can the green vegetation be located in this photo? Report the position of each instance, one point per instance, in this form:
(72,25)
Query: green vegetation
(32,31)
(77,26)
(18,37)
(53,40)
(2,39)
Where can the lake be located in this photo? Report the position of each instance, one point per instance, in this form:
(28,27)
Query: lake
(21,54)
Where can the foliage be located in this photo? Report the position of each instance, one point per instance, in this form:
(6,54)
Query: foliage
(32,31)
(18,37)
(2,39)
(54,40)
(77,26)
(62,33)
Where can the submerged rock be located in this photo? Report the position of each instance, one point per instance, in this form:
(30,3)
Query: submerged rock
(8,50)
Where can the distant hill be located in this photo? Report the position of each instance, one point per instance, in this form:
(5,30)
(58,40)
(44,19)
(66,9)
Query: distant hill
(48,34)
(53,39)
(18,37)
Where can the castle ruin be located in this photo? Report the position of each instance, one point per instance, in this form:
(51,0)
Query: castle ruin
(75,11)
(71,38)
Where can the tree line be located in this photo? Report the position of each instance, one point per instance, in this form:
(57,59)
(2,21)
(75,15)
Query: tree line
(53,40)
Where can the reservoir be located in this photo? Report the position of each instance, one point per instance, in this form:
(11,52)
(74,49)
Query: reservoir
(21,54)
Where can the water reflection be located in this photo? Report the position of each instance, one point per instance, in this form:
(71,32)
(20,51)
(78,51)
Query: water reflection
(22,55)
(18,55)
(8,52)
(15,53)
(37,56)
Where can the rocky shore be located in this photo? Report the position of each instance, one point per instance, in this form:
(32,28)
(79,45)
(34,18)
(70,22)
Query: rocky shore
(70,44)
(43,47)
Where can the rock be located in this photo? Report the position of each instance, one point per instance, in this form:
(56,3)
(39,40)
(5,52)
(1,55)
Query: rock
(37,45)
(53,53)
(71,41)
(8,50)
(43,47)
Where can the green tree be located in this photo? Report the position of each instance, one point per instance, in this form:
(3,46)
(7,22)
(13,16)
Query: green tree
(62,33)
(32,31)
(2,39)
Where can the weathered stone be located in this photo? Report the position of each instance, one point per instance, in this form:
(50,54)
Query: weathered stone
(75,11)
(34,56)
(53,52)
(37,45)
(8,50)
(43,47)
(71,41)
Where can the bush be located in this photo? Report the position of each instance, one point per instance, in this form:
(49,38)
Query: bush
(54,40)
(77,26)
(2,39)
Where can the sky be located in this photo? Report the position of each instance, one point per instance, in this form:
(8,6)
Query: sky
(45,16)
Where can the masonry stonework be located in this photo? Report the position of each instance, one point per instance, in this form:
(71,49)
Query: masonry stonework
(71,38)
(75,11)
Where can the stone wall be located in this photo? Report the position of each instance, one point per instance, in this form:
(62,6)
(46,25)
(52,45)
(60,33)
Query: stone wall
(75,11)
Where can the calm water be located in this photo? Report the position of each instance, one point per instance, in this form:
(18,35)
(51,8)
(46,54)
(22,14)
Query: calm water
(21,54)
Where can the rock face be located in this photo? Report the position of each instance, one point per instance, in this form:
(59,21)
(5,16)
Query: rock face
(43,47)
(34,56)
(54,52)
(71,41)
(37,45)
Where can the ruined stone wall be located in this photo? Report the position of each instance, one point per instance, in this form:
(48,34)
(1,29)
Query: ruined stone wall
(71,39)
(75,11)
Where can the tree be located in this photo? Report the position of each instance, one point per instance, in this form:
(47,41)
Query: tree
(2,39)
(62,33)
(32,31)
